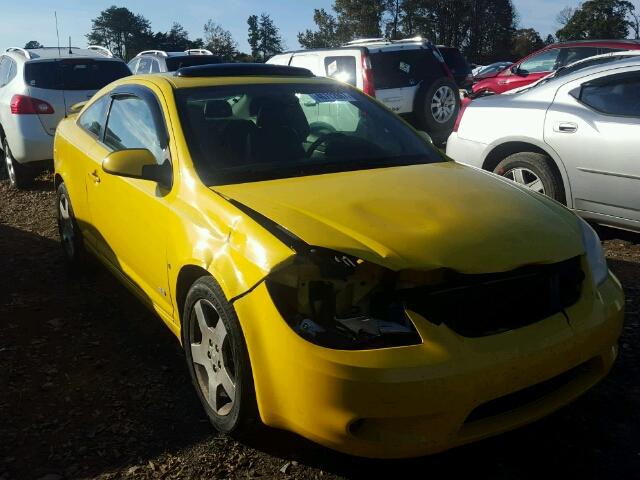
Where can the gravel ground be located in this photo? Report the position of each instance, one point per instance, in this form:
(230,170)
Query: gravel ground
(93,386)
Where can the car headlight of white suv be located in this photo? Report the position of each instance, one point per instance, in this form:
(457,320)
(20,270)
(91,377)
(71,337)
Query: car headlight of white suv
(595,253)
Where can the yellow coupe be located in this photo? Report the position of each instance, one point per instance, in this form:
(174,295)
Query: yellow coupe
(325,268)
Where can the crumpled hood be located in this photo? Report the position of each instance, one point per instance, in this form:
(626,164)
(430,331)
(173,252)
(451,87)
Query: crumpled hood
(418,217)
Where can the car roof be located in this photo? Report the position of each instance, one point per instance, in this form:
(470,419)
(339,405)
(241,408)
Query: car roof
(55,52)
(597,43)
(178,83)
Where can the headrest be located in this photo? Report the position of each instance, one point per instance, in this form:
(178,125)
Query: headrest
(217,109)
(281,112)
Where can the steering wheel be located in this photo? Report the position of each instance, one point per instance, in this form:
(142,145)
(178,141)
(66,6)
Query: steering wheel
(320,128)
(323,139)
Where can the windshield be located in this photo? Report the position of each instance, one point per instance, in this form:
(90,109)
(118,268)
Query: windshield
(74,74)
(250,133)
(174,63)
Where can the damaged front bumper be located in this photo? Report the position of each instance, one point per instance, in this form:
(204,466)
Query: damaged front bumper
(420,399)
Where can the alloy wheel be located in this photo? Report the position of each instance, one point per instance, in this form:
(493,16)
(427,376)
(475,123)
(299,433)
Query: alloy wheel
(213,357)
(443,104)
(9,164)
(525,177)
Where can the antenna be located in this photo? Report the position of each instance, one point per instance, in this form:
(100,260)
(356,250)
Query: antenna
(55,14)
(70,52)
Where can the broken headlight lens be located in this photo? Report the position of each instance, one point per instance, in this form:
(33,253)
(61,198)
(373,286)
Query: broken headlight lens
(337,301)
(595,254)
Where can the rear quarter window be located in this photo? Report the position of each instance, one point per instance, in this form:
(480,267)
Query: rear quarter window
(74,74)
(403,68)
(341,68)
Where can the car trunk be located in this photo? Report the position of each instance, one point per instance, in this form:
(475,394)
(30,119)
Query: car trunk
(63,83)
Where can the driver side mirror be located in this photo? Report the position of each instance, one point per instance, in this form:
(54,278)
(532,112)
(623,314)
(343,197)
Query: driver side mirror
(138,163)
(515,70)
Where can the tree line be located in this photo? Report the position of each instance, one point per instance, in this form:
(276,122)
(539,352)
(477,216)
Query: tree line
(485,30)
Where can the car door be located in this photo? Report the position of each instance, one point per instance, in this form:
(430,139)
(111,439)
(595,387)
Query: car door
(130,215)
(530,70)
(84,149)
(594,125)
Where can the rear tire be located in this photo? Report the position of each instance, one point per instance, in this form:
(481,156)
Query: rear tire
(20,176)
(217,359)
(534,171)
(437,106)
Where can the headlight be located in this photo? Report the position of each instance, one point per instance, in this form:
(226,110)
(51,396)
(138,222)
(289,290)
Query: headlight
(338,301)
(595,254)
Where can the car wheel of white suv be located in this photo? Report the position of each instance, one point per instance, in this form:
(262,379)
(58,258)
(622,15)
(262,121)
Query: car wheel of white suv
(19,175)
(437,106)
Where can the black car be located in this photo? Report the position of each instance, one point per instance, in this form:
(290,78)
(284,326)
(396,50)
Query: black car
(156,61)
(460,68)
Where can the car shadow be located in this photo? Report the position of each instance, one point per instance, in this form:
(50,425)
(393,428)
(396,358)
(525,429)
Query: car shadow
(92,382)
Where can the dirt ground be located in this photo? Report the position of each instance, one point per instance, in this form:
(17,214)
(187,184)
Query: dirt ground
(94,386)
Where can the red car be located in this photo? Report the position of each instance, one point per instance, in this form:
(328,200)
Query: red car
(547,60)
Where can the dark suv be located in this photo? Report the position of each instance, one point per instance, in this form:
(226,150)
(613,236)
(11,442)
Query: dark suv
(156,61)
(460,68)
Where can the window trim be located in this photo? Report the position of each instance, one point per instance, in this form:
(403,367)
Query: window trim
(578,91)
(104,117)
(147,96)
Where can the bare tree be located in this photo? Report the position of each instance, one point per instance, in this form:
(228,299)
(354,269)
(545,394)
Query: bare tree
(564,16)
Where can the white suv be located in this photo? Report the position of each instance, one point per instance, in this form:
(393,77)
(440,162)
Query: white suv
(409,76)
(38,87)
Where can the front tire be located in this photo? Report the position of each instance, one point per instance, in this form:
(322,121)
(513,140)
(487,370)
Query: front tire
(534,171)
(68,229)
(217,358)
(19,175)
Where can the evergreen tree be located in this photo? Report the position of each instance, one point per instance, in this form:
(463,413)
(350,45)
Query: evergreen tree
(598,19)
(326,35)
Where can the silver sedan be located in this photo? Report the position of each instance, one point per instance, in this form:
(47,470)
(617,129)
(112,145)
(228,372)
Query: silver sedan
(574,136)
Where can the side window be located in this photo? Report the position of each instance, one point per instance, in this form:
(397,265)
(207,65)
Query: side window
(341,68)
(615,95)
(603,50)
(155,66)
(144,65)
(13,70)
(570,55)
(403,68)
(131,124)
(5,66)
(309,62)
(542,62)
(133,65)
(92,119)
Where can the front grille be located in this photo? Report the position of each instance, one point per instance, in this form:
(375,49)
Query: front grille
(486,304)
(530,394)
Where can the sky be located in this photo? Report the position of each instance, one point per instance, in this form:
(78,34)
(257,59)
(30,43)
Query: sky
(24,20)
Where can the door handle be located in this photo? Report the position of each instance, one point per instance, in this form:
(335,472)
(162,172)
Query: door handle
(96,177)
(565,127)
